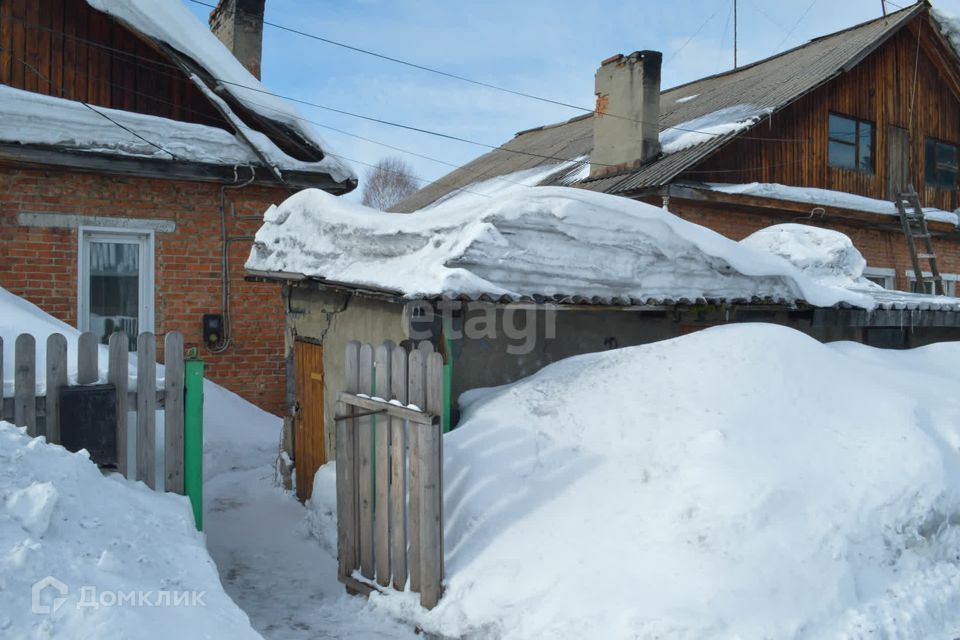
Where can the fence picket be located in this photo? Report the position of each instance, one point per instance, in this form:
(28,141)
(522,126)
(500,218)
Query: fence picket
(147,409)
(398,487)
(365,429)
(118,376)
(346,494)
(87,353)
(173,381)
(435,407)
(382,386)
(417,396)
(25,383)
(56,378)
(2,378)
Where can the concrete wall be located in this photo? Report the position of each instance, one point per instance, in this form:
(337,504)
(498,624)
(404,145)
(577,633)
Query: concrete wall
(332,320)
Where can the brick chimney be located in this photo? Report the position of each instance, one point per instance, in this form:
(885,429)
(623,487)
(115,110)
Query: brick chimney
(625,129)
(239,25)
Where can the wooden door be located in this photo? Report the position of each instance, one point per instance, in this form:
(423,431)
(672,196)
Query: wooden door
(308,438)
(898,160)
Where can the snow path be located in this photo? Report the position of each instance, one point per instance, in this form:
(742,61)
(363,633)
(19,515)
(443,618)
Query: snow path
(283,578)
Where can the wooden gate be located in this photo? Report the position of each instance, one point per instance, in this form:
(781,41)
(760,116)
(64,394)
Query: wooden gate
(308,438)
(390,470)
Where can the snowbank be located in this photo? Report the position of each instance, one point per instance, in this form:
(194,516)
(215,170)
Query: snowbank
(826,256)
(744,481)
(828,198)
(545,241)
(60,517)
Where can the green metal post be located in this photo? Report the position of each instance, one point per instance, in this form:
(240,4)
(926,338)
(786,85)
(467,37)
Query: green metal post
(193,436)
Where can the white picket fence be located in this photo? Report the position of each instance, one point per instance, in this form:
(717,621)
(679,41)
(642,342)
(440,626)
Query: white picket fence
(389,448)
(40,414)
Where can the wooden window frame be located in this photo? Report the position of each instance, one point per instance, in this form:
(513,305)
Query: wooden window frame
(858,122)
(936,184)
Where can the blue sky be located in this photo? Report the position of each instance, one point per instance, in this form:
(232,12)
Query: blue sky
(549,48)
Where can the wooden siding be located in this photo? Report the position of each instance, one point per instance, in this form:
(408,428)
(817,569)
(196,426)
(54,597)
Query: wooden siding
(64,48)
(880,90)
(309,450)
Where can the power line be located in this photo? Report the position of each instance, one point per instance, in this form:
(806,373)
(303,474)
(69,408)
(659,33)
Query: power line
(695,34)
(795,25)
(88,106)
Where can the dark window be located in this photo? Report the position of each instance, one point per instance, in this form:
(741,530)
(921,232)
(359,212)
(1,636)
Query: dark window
(851,143)
(940,164)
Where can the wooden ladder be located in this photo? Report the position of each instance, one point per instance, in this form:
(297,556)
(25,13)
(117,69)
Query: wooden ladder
(915,228)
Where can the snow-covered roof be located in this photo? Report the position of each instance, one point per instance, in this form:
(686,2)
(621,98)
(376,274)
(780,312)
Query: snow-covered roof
(825,197)
(829,258)
(553,243)
(28,118)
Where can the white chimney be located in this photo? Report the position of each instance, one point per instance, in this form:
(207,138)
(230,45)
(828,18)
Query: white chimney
(626,132)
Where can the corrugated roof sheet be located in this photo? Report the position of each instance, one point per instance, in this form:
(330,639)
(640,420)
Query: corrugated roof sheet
(769,84)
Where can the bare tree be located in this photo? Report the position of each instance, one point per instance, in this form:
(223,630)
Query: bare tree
(388,183)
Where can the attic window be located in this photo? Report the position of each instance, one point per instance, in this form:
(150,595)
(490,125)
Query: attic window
(851,143)
(940,167)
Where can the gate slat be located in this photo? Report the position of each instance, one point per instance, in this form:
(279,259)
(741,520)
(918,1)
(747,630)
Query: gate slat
(352,447)
(416,373)
(435,407)
(87,352)
(118,376)
(431,552)
(346,495)
(365,428)
(147,409)
(173,411)
(56,378)
(25,383)
(382,465)
(2,378)
(398,477)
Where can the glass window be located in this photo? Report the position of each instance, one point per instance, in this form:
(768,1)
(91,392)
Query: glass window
(851,143)
(115,284)
(940,164)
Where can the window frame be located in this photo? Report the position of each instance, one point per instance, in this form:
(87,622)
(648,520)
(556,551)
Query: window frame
(949,282)
(145,240)
(937,143)
(889,276)
(858,122)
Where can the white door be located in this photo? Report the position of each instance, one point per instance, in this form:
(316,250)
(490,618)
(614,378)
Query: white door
(116,283)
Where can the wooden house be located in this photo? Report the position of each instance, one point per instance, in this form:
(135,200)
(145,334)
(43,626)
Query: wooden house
(826,134)
(137,155)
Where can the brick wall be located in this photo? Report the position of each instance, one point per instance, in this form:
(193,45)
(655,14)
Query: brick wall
(40,264)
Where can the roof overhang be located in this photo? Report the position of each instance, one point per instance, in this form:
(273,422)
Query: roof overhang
(46,156)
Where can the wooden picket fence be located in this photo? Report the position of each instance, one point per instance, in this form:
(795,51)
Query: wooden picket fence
(389,453)
(41,414)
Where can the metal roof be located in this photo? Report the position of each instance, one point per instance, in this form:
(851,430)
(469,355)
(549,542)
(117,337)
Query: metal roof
(769,84)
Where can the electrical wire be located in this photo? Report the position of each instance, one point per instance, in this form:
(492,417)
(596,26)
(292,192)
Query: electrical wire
(795,25)
(308,103)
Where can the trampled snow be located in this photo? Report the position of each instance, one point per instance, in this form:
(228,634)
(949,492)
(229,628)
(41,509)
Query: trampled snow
(532,241)
(741,482)
(61,517)
(826,197)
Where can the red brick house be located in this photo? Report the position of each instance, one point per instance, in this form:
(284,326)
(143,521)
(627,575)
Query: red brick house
(137,156)
(825,134)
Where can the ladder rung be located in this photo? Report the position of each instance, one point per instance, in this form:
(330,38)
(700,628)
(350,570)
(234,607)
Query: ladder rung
(921,235)
(926,256)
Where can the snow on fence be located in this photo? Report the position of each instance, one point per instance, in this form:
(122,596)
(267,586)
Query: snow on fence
(389,454)
(41,414)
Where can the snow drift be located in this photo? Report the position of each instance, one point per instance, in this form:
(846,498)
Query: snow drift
(549,241)
(744,481)
(60,517)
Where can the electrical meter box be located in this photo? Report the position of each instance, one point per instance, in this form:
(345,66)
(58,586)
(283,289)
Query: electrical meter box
(212,329)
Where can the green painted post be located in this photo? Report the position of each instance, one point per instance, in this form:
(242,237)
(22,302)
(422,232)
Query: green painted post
(193,436)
